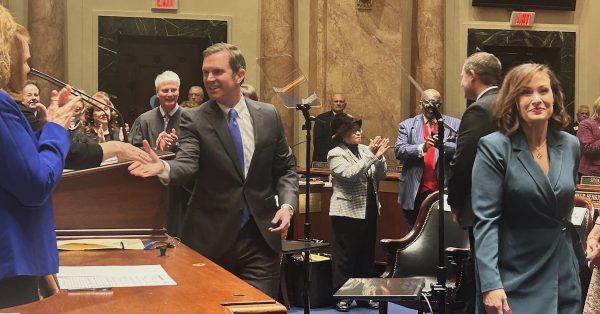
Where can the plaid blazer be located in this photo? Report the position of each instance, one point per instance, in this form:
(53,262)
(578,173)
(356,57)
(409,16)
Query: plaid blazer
(350,176)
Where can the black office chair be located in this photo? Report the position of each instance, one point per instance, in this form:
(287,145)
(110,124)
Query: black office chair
(416,254)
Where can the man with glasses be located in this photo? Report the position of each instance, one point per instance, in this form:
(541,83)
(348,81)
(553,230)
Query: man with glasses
(415,147)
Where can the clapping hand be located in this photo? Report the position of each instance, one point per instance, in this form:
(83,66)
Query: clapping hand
(430,142)
(379,145)
(166,141)
(61,109)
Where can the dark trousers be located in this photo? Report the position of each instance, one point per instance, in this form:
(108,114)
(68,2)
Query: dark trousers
(18,290)
(411,215)
(353,247)
(177,204)
(252,259)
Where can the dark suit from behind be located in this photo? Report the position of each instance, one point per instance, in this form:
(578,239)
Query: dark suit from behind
(322,138)
(475,123)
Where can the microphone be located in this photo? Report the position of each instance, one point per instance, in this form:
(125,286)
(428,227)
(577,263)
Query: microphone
(86,98)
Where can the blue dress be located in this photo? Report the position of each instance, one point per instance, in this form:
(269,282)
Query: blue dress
(31,165)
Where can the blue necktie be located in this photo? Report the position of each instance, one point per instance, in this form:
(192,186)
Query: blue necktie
(236,135)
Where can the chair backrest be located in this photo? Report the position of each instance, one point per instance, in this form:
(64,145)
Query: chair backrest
(420,257)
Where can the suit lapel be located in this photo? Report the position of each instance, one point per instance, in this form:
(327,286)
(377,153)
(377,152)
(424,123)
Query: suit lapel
(555,150)
(258,119)
(217,118)
(533,169)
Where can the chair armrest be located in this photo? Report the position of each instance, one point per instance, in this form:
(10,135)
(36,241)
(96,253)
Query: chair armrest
(391,246)
(457,255)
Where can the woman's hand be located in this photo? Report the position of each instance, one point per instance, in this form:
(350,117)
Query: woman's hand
(496,302)
(382,146)
(62,107)
(374,144)
(592,251)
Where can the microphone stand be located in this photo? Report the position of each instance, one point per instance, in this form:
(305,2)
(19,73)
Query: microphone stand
(86,98)
(304,108)
(439,289)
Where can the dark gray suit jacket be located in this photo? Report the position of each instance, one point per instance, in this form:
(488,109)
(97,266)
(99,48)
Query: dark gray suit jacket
(475,123)
(150,124)
(207,155)
(322,136)
(522,243)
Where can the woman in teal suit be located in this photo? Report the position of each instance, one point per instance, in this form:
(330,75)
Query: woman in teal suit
(527,255)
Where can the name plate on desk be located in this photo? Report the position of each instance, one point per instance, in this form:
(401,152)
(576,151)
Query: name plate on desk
(394,168)
(320,165)
(594,196)
(590,180)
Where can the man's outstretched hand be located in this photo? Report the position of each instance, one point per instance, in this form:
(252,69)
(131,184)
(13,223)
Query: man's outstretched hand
(148,169)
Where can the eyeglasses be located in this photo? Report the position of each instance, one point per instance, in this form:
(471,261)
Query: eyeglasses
(356,130)
(430,103)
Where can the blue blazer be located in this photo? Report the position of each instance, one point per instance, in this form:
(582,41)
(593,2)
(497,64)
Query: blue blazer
(522,243)
(30,167)
(410,136)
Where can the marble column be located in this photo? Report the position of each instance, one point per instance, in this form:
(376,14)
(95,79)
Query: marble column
(318,52)
(428,45)
(277,38)
(47,29)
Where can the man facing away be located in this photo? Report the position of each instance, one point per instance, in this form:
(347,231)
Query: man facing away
(481,76)
(416,148)
(322,137)
(246,186)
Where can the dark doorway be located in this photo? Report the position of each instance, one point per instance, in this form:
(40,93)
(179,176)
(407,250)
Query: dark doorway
(142,58)
(514,47)
(511,56)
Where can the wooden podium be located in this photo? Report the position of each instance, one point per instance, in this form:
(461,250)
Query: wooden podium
(108,202)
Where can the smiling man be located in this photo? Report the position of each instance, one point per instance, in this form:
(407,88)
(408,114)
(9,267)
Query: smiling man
(246,187)
(160,125)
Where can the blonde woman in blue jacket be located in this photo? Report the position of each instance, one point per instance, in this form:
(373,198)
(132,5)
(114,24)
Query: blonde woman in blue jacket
(356,170)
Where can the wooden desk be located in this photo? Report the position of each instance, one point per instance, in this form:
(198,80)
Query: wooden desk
(202,287)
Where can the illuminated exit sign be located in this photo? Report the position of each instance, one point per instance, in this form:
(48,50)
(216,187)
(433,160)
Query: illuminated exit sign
(165,4)
(522,18)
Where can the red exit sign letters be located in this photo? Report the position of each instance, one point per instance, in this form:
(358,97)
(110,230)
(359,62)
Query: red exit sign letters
(522,19)
(165,4)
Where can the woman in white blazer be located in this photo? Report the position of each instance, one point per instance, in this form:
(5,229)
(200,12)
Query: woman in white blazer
(356,170)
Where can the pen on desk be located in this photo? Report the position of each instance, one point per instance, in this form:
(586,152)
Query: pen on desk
(149,245)
(90,289)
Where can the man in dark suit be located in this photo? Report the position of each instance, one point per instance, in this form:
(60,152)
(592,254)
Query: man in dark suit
(246,186)
(481,76)
(322,138)
(160,125)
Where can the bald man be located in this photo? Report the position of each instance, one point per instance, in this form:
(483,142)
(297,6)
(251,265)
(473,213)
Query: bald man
(415,147)
(322,138)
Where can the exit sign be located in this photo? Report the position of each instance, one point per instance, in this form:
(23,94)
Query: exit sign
(165,4)
(522,18)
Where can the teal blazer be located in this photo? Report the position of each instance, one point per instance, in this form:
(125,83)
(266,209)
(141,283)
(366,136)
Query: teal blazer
(522,242)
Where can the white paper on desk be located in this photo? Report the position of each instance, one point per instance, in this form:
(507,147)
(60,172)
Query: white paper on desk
(86,277)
